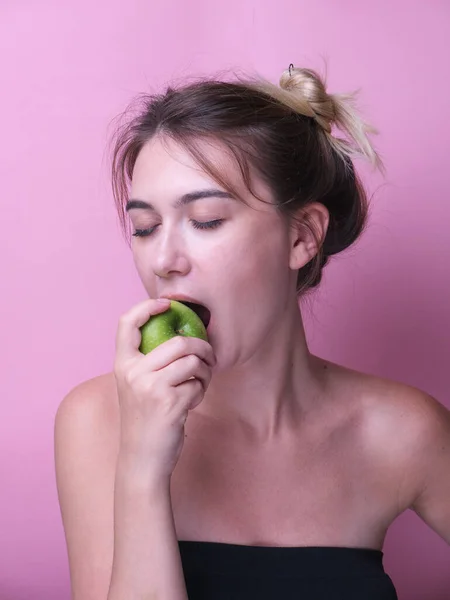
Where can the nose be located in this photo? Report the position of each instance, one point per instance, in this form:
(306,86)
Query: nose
(170,255)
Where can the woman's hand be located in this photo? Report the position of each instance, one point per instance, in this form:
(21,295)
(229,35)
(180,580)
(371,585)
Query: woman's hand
(157,390)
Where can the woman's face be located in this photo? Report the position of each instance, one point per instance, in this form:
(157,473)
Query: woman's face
(229,256)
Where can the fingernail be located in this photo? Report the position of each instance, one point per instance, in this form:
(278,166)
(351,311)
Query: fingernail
(163,300)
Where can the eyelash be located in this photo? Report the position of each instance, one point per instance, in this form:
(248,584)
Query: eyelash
(195,224)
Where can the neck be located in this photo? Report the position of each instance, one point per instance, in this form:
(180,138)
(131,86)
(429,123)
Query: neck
(271,393)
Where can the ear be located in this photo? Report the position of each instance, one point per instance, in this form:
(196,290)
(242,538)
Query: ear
(311,219)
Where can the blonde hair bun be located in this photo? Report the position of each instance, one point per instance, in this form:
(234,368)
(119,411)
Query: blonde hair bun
(304,92)
(309,86)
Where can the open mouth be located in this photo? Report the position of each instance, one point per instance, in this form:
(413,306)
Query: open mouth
(200,310)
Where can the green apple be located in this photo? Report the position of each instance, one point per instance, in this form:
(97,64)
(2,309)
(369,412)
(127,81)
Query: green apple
(178,319)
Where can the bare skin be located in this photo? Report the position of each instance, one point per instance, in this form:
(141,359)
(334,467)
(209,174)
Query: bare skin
(330,483)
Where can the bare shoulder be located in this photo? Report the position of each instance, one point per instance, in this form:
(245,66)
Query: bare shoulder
(407,430)
(401,416)
(96,393)
(86,444)
(90,409)
(411,429)
(388,406)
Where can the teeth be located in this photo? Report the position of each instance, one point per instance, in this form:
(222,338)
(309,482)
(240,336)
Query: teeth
(203,312)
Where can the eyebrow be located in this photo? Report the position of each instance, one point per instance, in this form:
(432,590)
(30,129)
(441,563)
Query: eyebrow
(182,201)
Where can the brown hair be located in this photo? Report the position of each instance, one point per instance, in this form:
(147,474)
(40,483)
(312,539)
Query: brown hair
(282,132)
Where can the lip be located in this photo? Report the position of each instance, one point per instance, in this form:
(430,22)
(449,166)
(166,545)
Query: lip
(190,299)
(181,297)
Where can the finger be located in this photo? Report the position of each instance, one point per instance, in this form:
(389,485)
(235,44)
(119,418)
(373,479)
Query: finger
(184,368)
(190,394)
(128,336)
(177,347)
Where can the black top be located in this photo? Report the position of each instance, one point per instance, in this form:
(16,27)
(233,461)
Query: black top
(220,571)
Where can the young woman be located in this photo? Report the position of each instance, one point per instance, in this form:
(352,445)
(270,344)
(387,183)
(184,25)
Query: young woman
(245,466)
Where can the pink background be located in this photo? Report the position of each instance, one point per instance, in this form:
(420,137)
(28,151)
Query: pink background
(67,69)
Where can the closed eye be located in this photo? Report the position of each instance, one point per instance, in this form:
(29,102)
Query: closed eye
(207,224)
(144,232)
(195,224)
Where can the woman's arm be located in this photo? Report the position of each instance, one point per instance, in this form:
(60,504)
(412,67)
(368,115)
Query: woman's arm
(432,440)
(119,529)
(147,563)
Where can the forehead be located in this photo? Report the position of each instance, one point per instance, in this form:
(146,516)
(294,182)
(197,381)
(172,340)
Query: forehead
(165,161)
(164,167)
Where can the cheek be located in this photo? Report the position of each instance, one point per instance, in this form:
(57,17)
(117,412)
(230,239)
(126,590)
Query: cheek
(139,263)
(145,273)
(252,265)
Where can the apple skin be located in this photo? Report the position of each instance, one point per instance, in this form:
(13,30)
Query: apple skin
(178,319)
